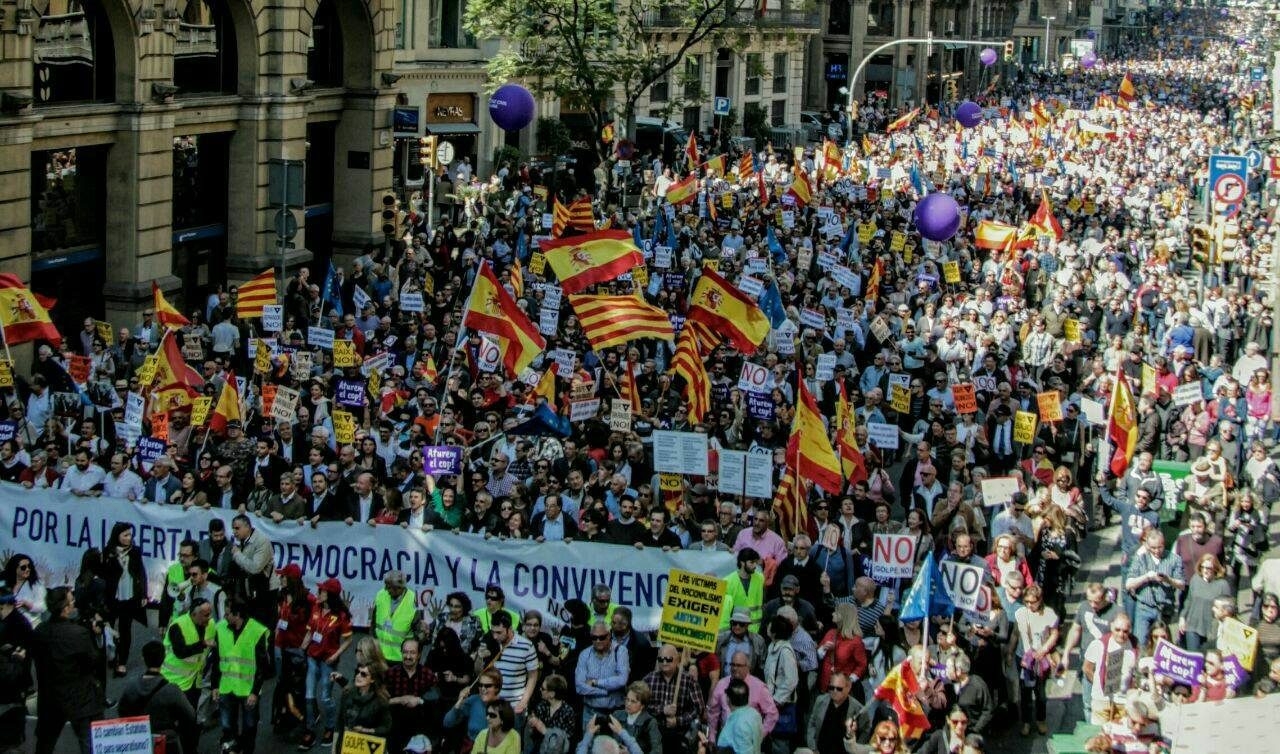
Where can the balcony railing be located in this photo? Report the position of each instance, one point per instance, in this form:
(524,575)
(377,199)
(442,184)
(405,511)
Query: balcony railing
(780,18)
(196,40)
(63,39)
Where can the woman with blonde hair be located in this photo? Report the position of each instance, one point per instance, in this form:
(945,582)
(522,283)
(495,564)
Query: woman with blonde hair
(842,649)
(1051,559)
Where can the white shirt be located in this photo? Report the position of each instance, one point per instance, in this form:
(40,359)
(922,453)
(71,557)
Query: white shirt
(127,486)
(76,480)
(1093,654)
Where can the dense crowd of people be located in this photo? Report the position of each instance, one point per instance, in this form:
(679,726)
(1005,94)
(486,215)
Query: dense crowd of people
(811,637)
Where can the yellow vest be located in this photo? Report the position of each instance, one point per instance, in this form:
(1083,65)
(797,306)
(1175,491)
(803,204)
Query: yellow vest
(392,628)
(184,672)
(752,599)
(237,661)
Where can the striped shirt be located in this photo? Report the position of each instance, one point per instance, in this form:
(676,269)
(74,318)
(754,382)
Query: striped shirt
(515,662)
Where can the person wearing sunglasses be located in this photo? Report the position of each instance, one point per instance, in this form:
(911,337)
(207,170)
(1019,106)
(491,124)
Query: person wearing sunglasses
(949,738)
(365,706)
(472,707)
(498,736)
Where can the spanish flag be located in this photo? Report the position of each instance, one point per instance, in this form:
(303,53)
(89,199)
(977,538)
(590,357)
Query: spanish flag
(165,313)
(903,121)
(689,363)
(255,294)
(609,320)
(1127,92)
(597,257)
(547,386)
(683,191)
(898,690)
(815,459)
(1043,221)
(852,463)
(23,314)
(831,160)
(227,409)
(993,235)
(491,309)
(800,188)
(715,165)
(873,280)
(691,153)
(1122,424)
(170,398)
(728,311)
(171,368)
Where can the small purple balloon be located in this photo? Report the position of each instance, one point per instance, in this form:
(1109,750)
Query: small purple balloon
(969,114)
(937,217)
(1091,34)
(511,107)
(988,56)
(1088,60)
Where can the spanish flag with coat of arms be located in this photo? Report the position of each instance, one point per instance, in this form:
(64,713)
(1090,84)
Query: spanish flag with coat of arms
(582,261)
(728,311)
(23,314)
(491,309)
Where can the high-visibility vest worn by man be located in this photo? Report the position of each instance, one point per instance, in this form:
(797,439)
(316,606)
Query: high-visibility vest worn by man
(393,615)
(744,590)
(240,663)
(186,648)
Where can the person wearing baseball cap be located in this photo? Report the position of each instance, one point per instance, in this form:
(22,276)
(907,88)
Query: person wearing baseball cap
(330,635)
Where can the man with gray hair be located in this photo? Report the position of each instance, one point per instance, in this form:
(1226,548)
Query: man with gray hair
(601,675)
(837,721)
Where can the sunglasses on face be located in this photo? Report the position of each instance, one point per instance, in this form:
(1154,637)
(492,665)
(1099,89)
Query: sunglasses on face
(486,685)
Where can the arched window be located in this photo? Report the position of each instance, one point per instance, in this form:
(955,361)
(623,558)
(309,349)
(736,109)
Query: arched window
(204,51)
(324,49)
(74,56)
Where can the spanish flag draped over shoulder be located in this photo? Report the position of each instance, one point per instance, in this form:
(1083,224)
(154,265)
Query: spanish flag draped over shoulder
(815,458)
(1043,221)
(23,314)
(720,306)
(609,320)
(683,190)
(1127,92)
(582,261)
(227,409)
(898,690)
(255,294)
(491,309)
(852,463)
(1122,424)
(166,314)
(903,121)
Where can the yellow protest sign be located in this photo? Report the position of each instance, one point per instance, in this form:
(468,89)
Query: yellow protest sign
(909,253)
(344,427)
(344,353)
(640,276)
(1024,427)
(866,231)
(105,331)
(147,372)
(200,410)
(375,384)
(1235,638)
(726,200)
(1071,330)
(362,743)
(669,482)
(1050,405)
(537,263)
(6,374)
(1074,204)
(691,610)
(429,284)
(262,358)
(1148,378)
(1090,207)
(897,241)
(951,272)
(899,399)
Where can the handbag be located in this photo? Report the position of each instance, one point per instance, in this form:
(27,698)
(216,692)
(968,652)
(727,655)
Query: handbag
(788,722)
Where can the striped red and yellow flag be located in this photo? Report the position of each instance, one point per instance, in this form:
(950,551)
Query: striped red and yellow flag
(746,167)
(691,153)
(491,309)
(903,121)
(724,309)
(1127,92)
(25,314)
(898,690)
(609,320)
(582,261)
(627,386)
(683,191)
(517,279)
(993,235)
(582,216)
(227,409)
(800,188)
(852,463)
(255,294)
(689,364)
(715,165)
(815,459)
(559,218)
(790,504)
(166,314)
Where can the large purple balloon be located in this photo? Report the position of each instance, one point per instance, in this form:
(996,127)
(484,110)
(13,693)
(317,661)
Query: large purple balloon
(937,217)
(511,107)
(969,114)
(1088,60)
(988,56)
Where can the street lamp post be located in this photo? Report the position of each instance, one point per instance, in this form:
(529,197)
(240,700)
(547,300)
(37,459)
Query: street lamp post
(1047,20)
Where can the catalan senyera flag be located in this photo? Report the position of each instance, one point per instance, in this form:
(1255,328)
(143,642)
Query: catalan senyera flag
(1122,424)
(898,690)
(559,218)
(683,191)
(1043,221)
(852,463)
(23,314)
(746,167)
(255,294)
(691,153)
(171,368)
(1041,114)
(993,235)
(1127,92)
(166,315)
(903,121)
(227,408)
(609,320)
(582,216)
(598,257)
(728,311)
(517,279)
(800,188)
(816,460)
(689,363)
(491,309)
(790,503)
(627,390)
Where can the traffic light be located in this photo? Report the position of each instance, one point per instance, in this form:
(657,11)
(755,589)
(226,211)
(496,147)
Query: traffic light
(953,90)
(427,151)
(1201,244)
(1008,51)
(390,215)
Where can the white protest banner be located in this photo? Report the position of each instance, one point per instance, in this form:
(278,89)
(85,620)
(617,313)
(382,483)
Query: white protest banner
(662,257)
(1093,411)
(998,490)
(412,302)
(680,452)
(846,277)
(758,475)
(733,465)
(583,410)
(845,319)
(55,532)
(893,556)
(548,321)
(885,436)
(1188,393)
(962,582)
(826,367)
(285,407)
(300,365)
(750,285)
(813,318)
(121,735)
(564,358)
(320,337)
(378,363)
(754,378)
(620,415)
(552,297)
(272,318)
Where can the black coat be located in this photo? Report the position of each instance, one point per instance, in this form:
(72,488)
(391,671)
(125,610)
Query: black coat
(64,650)
(112,573)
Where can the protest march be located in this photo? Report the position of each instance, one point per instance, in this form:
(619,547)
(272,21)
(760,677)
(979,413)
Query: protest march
(860,446)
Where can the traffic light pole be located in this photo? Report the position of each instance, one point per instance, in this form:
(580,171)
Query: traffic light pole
(853,80)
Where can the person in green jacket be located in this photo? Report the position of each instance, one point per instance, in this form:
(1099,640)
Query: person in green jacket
(239,664)
(744,589)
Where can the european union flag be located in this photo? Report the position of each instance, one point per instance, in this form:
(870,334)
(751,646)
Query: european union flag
(332,296)
(771,304)
(775,248)
(926,597)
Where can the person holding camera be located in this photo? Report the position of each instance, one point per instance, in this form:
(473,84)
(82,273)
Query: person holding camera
(63,648)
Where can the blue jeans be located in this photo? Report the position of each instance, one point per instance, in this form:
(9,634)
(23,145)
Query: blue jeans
(1144,616)
(239,722)
(318,693)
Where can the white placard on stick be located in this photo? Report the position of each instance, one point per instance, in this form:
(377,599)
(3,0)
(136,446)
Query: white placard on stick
(998,490)
(680,452)
(962,582)
(320,337)
(883,435)
(272,318)
(1188,393)
(754,378)
(893,556)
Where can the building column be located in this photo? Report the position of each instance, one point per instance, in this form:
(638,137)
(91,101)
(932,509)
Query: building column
(901,30)
(858,33)
(923,11)
(363,167)
(815,61)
